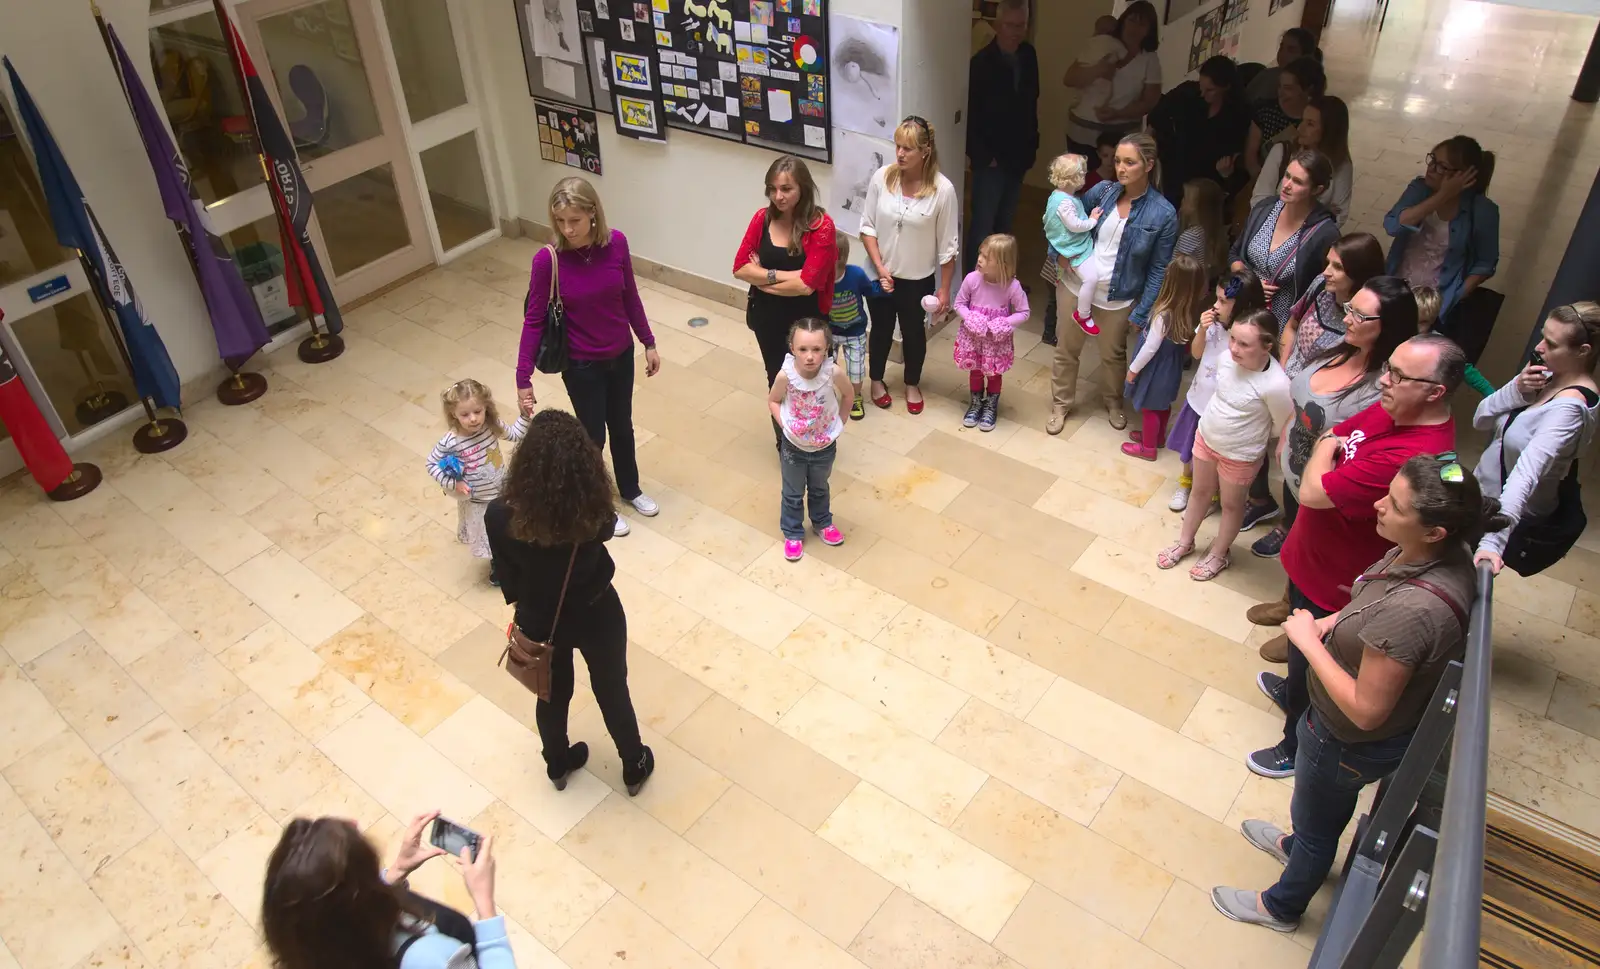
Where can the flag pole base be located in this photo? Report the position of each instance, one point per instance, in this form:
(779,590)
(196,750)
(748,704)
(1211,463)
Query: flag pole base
(85,478)
(161,434)
(241,388)
(321,347)
(100,405)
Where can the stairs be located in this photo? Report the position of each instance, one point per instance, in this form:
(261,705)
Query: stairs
(1541,899)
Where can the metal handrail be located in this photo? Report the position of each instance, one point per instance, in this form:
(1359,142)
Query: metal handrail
(1451,932)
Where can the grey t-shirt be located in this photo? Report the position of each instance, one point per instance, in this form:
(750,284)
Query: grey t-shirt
(1315,413)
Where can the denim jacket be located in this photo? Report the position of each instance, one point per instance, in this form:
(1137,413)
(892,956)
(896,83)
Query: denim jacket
(1147,242)
(1474,240)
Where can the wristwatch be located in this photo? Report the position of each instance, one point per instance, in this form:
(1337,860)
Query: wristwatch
(772,276)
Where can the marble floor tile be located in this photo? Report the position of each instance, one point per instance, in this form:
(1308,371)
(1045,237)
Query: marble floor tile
(31,620)
(856,605)
(996,472)
(1184,647)
(1188,931)
(755,679)
(622,936)
(682,788)
(879,681)
(1576,704)
(88,813)
(27,719)
(680,886)
(647,553)
(1030,760)
(294,596)
(187,682)
(96,696)
(960,599)
(277,766)
(191,797)
(208,608)
(397,597)
(1036,930)
(170,910)
(825,889)
(295,525)
(907,934)
(899,477)
(700,528)
(394,673)
(1001,679)
(400,770)
(1230,727)
(1090,870)
(935,536)
(663,695)
(1134,573)
(294,681)
(1018,525)
(967,885)
(760,758)
(737,604)
(235,867)
(1048,583)
(1200,850)
(1196,775)
(690,473)
(771,938)
(48,914)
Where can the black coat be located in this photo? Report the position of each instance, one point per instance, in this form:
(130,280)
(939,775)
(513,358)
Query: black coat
(1003,117)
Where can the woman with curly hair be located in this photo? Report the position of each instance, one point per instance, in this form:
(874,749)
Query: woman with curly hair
(547,531)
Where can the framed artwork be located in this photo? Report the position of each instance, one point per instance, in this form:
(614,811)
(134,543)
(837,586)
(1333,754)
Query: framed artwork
(568,136)
(563,79)
(636,116)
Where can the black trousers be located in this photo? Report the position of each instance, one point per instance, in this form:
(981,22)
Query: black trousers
(904,306)
(600,632)
(1297,694)
(602,398)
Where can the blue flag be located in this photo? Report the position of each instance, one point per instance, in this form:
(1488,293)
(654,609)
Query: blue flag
(234,314)
(77,228)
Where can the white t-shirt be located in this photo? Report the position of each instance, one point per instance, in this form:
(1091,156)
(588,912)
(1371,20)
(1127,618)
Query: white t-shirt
(915,235)
(1099,49)
(1204,383)
(1126,87)
(1247,405)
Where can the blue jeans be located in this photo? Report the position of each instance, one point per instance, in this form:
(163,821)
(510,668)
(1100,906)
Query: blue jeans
(805,481)
(994,204)
(1296,694)
(1328,777)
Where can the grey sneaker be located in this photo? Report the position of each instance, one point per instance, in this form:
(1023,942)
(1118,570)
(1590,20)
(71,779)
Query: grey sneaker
(974,408)
(1265,835)
(1271,762)
(990,413)
(1240,905)
(1275,687)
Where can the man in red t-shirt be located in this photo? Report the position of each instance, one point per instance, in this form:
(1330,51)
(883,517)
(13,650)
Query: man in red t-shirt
(1334,537)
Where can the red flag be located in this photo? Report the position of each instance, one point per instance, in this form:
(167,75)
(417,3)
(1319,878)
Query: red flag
(47,461)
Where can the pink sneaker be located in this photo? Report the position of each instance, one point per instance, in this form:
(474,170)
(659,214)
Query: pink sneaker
(793,548)
(831,536)
(1086,323)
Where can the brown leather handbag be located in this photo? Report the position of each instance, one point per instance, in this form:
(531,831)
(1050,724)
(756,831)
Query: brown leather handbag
(529,660)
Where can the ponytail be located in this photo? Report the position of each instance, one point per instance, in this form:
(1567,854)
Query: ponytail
(1467,153)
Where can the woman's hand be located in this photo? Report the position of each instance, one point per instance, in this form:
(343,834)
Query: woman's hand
(413,852)
(1451,186)
(526,400)
(1269,289)
(652,361)
(755,260)
(1301,624)
(1225,166)
(1496,563)
(1532,380)
(885,281)
(944,302)
(478,875)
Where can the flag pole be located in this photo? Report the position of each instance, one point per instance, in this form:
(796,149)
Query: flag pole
(241,387)
(37,444)
(161,433)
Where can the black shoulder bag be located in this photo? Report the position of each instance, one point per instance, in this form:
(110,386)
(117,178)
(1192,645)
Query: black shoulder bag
(1536,544)
(554,350)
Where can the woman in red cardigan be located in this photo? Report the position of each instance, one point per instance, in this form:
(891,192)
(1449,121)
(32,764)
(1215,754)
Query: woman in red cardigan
(787,257)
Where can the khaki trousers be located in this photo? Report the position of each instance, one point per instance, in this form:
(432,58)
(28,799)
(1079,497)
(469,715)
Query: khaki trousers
(1070,339)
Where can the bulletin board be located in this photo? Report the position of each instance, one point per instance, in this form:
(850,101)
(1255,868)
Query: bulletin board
(750,71)
(553,78)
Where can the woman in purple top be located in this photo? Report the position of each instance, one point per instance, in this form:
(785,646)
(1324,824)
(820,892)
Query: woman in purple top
(604,314)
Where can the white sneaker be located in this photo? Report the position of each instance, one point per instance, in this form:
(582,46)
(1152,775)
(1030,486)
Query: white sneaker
(621,527)
(1180,499)
(646,505)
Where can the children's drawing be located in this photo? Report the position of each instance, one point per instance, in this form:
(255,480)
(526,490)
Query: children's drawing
(864,75)
(554,25)
(855,159)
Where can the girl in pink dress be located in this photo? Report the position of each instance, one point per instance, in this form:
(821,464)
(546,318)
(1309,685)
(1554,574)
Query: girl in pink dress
(991,305)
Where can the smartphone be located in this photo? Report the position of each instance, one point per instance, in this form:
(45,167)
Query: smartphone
(452,837)
(1536,358)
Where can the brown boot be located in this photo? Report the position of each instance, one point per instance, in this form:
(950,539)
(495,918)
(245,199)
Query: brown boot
(1270,613)
(1276,649)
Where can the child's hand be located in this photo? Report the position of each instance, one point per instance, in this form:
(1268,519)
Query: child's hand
(525,406)
(1096,213)
(463,489)
(1132,376)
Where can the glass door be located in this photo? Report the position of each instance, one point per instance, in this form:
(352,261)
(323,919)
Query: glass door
(52,331)
(323,66)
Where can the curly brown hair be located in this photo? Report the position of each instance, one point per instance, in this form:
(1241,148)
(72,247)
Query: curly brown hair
(558,490)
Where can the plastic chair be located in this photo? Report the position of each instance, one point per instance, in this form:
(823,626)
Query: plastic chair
(311,128)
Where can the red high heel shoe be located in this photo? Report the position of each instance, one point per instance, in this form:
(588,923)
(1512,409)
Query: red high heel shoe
(885,402)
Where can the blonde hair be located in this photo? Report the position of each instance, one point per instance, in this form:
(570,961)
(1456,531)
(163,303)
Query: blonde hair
(1068,172)
(1182,295)
(1001,251)
(464,390)
(577,193)
(842,243)
(1428,303)
(915,132)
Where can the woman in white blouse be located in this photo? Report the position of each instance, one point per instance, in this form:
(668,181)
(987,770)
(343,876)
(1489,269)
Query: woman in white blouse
(908,227)
(1325,126)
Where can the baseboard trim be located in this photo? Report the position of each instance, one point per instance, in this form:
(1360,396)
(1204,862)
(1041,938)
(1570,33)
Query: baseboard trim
(1545,825)
(718,292)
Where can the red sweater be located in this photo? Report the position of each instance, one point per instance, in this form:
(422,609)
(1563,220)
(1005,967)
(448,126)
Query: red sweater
(820,251)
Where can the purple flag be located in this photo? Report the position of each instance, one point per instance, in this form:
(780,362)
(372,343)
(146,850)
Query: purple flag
(234,314)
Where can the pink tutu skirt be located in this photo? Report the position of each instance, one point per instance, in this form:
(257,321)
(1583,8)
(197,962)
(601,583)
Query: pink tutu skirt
(984,344)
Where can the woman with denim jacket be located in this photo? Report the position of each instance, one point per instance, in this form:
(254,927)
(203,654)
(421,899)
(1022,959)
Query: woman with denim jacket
(1446,231)
(1134,234)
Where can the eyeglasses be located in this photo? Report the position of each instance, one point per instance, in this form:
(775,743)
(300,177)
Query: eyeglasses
(1397,377)
(1435,164)
(1450,472)
(1351,311)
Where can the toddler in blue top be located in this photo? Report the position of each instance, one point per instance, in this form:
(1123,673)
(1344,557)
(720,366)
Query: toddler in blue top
(847,322)
(1069,230)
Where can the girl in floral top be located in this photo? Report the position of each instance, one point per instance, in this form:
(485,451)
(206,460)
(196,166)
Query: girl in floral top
(807,398)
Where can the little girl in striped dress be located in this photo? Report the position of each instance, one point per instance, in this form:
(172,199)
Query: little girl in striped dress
(467,460)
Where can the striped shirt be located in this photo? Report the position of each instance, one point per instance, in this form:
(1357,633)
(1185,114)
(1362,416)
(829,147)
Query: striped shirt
(481,461)
(847,316)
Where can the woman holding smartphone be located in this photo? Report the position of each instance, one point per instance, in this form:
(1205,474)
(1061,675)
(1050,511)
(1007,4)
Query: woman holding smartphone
(1542,421)
(328,905)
